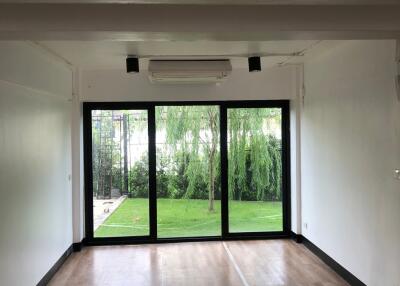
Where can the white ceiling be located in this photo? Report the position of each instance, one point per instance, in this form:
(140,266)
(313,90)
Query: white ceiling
(90,55)
(221,2)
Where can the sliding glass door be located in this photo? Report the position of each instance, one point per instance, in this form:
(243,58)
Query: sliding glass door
(120,173)
(255,169)
(181,171)
(188,180)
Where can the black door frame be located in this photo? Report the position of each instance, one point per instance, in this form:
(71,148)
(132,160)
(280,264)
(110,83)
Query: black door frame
(150,107)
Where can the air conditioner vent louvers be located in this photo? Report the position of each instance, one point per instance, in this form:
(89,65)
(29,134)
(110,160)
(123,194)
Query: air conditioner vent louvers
(189,71)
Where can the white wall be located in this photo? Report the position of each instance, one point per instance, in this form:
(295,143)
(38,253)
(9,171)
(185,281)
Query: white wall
(35,163)
(78,209)
(295,148)
(350,145)
(117,85)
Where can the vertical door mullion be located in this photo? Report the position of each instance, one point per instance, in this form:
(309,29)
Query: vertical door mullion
(286,167)
(152,172)
(88,171)
(224,170)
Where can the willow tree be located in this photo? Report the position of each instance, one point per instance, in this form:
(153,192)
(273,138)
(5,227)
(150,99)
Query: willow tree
(254,155)
(193,131)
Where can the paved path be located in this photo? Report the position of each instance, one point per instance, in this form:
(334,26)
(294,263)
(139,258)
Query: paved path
(102,209)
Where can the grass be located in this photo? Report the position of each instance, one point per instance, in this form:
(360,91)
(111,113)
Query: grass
(186,218)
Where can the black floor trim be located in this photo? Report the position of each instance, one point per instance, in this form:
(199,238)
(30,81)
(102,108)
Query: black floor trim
(124,241)
(339,269)
(77,246)
(296,237)
(47,277)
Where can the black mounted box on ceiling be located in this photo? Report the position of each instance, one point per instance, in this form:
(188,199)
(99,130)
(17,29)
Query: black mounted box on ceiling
(254,64)
(132,65)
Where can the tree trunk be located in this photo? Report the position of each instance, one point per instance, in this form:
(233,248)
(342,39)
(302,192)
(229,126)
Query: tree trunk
(111,153)
(214,140)
(103,175)
(99,162)
(211,192)
(125,132)
(111,172)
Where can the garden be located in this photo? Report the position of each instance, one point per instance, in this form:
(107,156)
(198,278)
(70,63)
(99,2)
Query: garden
(188,170)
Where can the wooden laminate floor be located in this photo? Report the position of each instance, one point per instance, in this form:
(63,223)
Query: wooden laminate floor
(237,263)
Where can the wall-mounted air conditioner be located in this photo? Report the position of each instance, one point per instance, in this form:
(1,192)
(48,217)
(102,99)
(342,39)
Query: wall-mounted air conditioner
(189,71)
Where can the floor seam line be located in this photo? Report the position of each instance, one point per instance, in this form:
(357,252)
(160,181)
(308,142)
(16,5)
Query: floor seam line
(235,265)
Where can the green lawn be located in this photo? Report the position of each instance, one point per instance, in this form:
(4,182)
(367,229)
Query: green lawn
(185,218)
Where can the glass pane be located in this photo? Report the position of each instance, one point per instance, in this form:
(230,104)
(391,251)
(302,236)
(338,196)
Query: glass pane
(188,171)
(255,169)
(120,173)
